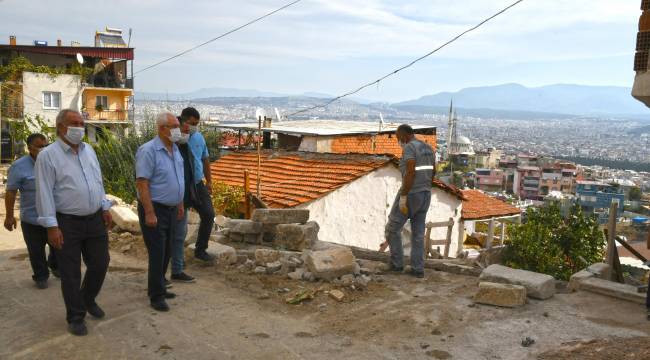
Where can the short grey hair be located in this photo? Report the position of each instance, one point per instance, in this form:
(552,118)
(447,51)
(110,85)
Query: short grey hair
(163,117)
(63,113)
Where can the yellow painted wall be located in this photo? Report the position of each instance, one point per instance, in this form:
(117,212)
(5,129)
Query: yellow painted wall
(117,100)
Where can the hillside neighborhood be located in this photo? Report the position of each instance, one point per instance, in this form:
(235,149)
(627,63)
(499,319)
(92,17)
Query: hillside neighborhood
(249,224)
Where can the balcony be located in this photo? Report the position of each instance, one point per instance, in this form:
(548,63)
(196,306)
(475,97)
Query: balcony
(106,115)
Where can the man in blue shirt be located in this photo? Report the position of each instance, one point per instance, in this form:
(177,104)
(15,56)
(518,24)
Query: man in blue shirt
(72,205)
(161,186)
(202,202)
(21,178)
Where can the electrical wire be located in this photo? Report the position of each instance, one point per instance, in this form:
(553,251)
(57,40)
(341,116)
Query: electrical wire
(329,102)
(218,37)
(19,92)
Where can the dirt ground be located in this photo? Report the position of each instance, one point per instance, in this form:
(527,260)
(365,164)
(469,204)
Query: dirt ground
(228,314)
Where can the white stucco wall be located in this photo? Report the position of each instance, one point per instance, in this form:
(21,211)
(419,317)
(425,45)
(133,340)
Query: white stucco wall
(35,84)
(356,213)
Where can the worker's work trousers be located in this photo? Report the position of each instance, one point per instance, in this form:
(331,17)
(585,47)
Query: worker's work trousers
(36,240)
(83,236)
(418,205)
(158,242)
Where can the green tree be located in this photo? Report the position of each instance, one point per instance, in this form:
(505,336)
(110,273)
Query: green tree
(550,244)
(20,131)
(635,194)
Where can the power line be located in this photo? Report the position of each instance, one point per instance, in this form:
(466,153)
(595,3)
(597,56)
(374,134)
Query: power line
(326,104)
(218,37)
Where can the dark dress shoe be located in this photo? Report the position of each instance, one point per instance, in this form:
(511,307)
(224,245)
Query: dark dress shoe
(204,256)
(417,274)
(77,328)
(55,272)
(160,305)
(183,277)
(393,268)
(95,311)
(41,284)
(169,295)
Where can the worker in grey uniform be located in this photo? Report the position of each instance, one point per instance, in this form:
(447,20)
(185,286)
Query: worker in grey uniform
(417,166)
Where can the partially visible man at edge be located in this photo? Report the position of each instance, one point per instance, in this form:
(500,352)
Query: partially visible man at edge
(161,184)
(202,202)
(72,205)
(21,178)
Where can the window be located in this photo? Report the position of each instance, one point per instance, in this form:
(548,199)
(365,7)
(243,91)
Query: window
(101,101)
(51,100)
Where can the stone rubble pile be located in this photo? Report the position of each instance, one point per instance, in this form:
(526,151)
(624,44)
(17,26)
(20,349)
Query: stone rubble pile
(503,286)
(295,250)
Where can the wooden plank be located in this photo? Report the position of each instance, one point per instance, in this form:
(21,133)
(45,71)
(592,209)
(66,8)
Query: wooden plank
(247,185)
(448,239)
(440,224)
(631,249)
(427,243)
(612,254)
(490,235)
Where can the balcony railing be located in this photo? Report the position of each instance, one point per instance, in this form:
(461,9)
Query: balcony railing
(109,115)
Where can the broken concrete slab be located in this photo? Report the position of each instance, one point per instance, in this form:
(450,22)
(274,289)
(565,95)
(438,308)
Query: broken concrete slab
(612,289)
(337,295)
(264,256)
(296,275)
(538,286)
(297,237)
(126,219)
(280,216)
(504,295)
(241,226)
(577,278)
(223,254)
(600,270)
(193,217)
(273,267)
(330,264)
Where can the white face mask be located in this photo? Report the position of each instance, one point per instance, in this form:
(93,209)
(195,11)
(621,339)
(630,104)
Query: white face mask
(184,138)
(175,135)
(74,135)
(194,129)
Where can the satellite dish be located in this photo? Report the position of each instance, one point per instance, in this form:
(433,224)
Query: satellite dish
(80,58)
(260,113)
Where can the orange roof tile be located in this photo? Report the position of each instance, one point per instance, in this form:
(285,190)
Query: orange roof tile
(289,179)
(479,205)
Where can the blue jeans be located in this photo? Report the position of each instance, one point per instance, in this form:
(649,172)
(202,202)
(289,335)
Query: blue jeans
(418,205)
(178,245)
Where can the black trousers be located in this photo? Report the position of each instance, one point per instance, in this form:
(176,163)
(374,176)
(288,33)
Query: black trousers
(36,238)
(83,236)
(158,242)
(203,205)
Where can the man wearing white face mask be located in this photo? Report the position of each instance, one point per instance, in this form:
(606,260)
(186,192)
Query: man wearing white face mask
(201,202)
(72,205)
(160,183)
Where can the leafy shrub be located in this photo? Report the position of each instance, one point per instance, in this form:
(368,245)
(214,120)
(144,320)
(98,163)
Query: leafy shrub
(550,244)
(116,155)
(227,199)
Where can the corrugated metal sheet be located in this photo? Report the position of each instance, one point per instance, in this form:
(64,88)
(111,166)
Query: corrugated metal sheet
(94,52)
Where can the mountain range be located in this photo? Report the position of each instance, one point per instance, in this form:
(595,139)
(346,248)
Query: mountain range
(561,98)
(545,101)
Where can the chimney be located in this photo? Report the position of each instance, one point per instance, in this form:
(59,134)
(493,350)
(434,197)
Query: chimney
(59,42)
(12,40)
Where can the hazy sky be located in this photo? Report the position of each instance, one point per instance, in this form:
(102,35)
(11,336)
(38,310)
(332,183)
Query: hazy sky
(331,46)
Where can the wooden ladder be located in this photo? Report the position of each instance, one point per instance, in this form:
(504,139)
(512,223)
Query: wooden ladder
(429,244)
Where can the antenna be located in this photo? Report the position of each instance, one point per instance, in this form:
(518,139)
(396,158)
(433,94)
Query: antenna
(129,43)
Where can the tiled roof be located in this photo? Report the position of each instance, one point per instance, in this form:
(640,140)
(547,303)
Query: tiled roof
(289,179)
(374,144)
(451,189)
(479,205)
